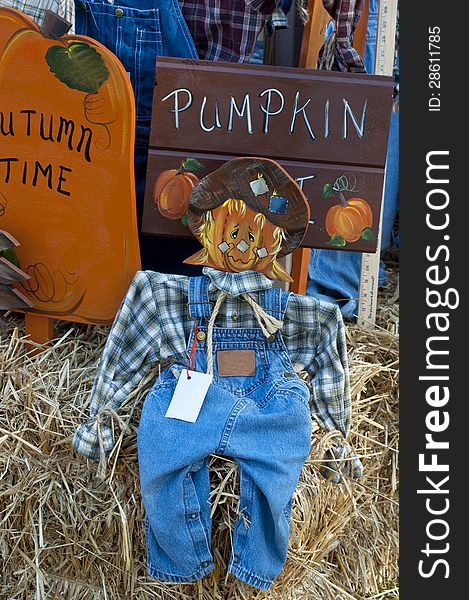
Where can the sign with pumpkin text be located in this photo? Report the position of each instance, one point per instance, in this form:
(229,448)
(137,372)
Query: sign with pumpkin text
(67,191)
(328,130)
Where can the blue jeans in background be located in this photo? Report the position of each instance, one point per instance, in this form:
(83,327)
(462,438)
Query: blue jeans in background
(334,275)
(138,32)
(263,421)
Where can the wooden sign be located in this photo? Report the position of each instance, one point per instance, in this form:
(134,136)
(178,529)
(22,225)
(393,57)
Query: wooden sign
(328,130)
(67,120)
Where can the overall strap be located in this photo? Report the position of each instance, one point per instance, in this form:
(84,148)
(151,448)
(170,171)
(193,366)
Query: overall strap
(199,303)
(274,301)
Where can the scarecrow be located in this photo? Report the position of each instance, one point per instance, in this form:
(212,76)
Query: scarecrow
(230,347)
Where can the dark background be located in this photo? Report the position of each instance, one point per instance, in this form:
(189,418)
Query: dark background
(420,133)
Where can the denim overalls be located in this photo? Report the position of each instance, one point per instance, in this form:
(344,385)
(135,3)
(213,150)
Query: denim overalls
(137,31)
(263,421)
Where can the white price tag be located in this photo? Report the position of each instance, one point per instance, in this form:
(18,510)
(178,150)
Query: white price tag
(189,396)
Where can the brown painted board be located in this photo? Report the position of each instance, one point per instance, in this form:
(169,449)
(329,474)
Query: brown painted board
(67,193)
(318,123)
(312,176)
(333,100)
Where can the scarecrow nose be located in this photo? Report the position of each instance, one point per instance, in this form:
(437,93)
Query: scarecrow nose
(242,246)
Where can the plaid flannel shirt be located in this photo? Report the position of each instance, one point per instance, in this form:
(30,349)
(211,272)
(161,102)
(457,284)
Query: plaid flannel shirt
(36,10)
(338,54)
(153,325)
(226,30)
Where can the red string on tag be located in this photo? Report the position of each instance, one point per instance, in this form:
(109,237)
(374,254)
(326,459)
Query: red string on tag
(192,353)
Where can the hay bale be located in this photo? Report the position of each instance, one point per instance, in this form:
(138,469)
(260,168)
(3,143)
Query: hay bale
(66,535)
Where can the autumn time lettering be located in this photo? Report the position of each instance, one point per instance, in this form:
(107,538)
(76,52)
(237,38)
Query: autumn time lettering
(48,128)
(273,103)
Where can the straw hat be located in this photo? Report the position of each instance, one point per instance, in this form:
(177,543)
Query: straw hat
(264,186)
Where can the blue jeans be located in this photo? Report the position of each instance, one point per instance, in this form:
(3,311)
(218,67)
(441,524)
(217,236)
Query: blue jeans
(262,421)
(334,275)
(138,32)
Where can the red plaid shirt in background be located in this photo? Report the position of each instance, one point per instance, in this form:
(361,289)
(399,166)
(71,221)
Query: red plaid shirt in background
(226,30)
(337,54)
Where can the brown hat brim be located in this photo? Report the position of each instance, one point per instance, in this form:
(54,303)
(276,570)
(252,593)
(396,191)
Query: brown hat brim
(264,186)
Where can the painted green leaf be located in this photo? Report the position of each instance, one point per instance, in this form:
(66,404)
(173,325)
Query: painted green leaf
(368,234)
(10,255)
(78,65)
(327,191)
(337,240)
(192,164)
(185,220)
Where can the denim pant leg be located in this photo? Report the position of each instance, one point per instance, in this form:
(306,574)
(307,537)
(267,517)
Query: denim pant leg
(270,445)
(175,487)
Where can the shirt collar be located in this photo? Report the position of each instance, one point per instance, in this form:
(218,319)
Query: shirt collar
(236,284)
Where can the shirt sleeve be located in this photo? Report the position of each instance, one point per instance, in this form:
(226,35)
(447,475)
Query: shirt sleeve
(330,383)
(317,343)
(130,351)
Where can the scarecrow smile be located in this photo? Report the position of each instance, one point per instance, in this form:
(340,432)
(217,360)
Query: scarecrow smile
(239,259)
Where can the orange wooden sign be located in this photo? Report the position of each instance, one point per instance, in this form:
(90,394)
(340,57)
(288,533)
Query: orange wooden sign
(67,192)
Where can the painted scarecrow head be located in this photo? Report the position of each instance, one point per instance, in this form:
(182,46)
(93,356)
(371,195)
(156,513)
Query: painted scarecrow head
(247,214)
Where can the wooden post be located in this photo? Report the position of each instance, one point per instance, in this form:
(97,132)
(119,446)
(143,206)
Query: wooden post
(359,37)
(299,271)
(313,34)
(40,329)
(313,39)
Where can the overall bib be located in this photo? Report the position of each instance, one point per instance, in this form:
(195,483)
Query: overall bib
(262,421)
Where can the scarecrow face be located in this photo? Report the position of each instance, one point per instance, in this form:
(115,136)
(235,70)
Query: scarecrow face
(245,214)
(240,239)
(236,239)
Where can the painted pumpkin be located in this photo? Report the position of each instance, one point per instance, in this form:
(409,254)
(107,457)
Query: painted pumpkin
(67,185)
(349,219)
(171,192)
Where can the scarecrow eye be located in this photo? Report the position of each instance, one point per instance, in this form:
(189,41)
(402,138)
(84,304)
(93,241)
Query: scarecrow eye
(251,237)
(234,233)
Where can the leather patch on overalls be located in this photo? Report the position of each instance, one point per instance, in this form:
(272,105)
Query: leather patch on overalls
(236,363)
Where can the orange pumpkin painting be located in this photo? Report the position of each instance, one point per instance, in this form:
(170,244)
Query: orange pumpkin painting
(350,220)
(66,169)
(173,187)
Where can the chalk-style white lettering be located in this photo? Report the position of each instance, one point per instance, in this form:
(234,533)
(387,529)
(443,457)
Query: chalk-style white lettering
(300,180)
(245,108)
(177,109)
(360,129)
(266,109)
(297,111)
(217,123)
(327,133)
